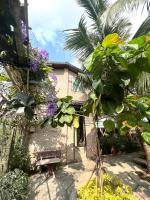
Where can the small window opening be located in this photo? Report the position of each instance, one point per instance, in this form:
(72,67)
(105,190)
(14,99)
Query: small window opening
(81,133)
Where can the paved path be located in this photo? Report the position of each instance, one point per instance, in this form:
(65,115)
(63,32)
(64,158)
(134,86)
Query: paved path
(67,179)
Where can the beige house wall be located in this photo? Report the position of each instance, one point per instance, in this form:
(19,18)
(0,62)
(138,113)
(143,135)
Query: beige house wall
(63,138)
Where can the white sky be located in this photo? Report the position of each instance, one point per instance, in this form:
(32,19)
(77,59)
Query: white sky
(46,17)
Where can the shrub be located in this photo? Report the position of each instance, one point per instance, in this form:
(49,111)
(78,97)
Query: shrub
(20,158)
(120,143)
(114,189)
(14,185)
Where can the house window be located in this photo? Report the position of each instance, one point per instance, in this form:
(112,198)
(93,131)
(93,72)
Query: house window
(80,133)
(77,86)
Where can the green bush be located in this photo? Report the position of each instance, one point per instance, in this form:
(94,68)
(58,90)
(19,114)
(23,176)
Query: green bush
(14,185)
(114,189)
(20,158)
(120,143)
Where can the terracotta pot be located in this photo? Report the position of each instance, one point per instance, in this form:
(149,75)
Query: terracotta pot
(113,150)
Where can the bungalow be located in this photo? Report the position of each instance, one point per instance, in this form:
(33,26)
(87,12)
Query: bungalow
(75,144)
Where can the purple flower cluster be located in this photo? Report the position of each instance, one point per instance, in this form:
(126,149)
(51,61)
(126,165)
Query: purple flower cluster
(52,108)
(43,54)
(38,56)
(23,28)
(53,78)
(34,65)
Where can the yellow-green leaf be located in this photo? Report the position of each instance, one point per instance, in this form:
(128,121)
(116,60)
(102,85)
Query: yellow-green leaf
(76,122)
(112,39)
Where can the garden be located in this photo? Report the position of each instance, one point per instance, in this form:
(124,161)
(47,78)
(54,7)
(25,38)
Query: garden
(115,74)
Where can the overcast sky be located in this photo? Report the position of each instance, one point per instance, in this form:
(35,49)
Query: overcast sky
(48,18)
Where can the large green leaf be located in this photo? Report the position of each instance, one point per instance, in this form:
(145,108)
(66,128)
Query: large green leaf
(93,96)
(76,122)
(124,130)
(29,113)
(24,99)
(139,41)
(70,110)
(98,86)
(112,39)
(109,125)
(146,137)
(66,119)
(120,108)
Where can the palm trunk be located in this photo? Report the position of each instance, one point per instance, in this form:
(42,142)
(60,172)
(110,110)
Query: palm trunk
(147,152)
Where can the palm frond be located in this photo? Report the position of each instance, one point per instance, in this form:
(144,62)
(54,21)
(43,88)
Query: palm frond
(129,5)
(143,84)
(79,40)
(118,25)
(93,7)
(144,28)
(82,82)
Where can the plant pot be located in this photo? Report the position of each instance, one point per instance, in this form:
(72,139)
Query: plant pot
(147,152)
(114,151)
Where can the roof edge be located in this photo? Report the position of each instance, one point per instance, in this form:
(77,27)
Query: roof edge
(64,65)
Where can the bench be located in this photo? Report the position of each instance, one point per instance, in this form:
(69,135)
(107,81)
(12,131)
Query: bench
(48,158)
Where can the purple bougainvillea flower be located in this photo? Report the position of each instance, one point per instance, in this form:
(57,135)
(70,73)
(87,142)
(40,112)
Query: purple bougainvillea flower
(52,107)
(52,77)
(43,54)
(34,65)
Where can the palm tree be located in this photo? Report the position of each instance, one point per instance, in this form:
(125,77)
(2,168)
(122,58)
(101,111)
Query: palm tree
(82,40)
(105,19)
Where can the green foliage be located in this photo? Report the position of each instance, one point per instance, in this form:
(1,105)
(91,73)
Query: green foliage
(23,104)
(136,116)
(109,125)
(65,115)
(112,39)
(14,186)
(116,66)
(20,158)
(146,137)
(121,143)
(65,112)
(114,189)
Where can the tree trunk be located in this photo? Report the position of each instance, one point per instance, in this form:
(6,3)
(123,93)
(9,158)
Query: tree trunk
(147,152)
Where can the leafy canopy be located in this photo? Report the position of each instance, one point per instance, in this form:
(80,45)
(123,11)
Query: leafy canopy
(115,67)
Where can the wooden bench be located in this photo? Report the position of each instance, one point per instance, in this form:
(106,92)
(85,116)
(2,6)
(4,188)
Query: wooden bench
(49,159)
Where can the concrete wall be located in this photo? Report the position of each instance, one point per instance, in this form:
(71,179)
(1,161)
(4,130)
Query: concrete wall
(64,85)
(63,137)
